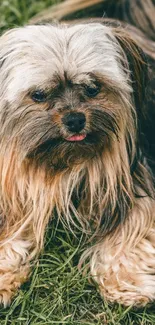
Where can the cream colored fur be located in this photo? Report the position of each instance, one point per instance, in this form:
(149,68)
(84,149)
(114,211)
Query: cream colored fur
(121,263)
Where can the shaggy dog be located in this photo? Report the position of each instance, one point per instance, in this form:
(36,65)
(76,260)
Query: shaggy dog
(77,139)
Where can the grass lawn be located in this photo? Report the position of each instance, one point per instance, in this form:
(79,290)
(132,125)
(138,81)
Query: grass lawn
(57,293)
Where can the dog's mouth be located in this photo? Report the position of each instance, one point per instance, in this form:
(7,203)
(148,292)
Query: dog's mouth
(61,152)
(74,141)
(80,140)
(76,137)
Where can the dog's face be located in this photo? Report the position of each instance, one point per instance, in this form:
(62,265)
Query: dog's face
(63,92)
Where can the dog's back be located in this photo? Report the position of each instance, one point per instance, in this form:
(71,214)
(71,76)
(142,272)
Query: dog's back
(138,13)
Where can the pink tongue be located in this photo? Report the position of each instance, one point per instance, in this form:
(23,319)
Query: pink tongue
(78,137)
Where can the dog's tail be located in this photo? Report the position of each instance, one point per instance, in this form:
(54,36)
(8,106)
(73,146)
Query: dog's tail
(74,9)
(139,13)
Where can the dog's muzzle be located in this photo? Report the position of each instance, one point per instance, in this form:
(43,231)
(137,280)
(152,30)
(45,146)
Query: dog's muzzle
(75,123)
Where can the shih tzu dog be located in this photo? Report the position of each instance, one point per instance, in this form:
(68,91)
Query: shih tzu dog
(77,138)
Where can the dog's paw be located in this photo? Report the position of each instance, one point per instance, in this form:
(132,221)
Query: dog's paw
(126,287)
(9,283)
(127,278)
(136,297)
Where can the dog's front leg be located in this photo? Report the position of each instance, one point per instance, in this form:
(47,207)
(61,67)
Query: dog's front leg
(14,267)
(123,264)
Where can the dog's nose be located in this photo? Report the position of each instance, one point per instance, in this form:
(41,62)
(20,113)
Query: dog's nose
(75,122)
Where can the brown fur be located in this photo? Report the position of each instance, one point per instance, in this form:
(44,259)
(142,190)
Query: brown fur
(104,184)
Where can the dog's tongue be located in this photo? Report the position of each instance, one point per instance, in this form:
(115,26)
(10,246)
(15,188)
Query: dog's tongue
(76,137)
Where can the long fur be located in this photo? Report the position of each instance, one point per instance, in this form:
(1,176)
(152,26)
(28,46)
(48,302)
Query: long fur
(103,185)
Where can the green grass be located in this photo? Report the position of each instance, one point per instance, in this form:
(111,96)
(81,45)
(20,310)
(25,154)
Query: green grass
(17,12)
(57,293)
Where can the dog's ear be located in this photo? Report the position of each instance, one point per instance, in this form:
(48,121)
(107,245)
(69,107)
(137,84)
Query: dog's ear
(137,65)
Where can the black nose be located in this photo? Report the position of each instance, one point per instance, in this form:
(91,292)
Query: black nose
(75,122)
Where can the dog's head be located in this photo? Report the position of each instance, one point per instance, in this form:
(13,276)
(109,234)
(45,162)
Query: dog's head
(66,92)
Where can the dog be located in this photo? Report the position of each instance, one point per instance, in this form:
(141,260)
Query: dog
(77,139)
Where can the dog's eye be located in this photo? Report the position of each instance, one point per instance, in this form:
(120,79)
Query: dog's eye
(92,91)
(39,96)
